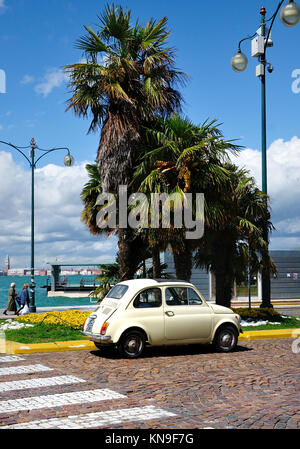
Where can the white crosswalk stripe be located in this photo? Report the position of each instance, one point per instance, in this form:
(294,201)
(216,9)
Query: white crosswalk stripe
(11,358)
(48,401)
(38,383)
(57,400)
(98,419)
(23,369)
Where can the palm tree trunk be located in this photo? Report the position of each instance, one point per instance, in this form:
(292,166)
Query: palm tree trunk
(183,261)
(156,262)
(119,140)
(223,270)
(224,285)
(126,257)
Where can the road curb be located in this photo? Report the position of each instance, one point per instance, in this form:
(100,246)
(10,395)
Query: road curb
(266,334)
(12,347)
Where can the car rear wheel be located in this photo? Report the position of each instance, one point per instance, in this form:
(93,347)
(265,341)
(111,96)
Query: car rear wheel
(132,344)
(226,339)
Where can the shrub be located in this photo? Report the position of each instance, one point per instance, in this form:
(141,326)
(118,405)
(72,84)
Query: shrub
(66,318)
(257,314)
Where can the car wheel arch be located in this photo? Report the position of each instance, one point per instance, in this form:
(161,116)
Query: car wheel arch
(132,329)
(222,325)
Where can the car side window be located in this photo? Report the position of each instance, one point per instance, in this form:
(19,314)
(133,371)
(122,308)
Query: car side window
(176,296)
(151,297)
(182,296)
(193,298)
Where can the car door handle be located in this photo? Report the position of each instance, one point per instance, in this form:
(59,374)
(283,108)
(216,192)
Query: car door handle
(169,313)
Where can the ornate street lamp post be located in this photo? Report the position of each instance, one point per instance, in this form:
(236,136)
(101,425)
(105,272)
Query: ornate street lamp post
(261,40)
(33,158)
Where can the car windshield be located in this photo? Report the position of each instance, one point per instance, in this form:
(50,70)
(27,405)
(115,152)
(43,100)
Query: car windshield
(117,291)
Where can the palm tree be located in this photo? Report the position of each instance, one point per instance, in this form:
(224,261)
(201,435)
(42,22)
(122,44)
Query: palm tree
(184,158)
(128,77)
(230,243)
(108,277)
(89,195)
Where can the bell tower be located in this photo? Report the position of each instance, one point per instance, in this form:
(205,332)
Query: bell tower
(7,264)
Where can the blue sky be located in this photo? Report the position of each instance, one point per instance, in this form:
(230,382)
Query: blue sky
(37,39)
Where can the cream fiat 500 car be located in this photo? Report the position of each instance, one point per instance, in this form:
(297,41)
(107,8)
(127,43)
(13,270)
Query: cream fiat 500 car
(159,312)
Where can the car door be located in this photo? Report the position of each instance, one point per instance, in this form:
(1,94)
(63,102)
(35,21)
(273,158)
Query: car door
(146,310)
(186,316)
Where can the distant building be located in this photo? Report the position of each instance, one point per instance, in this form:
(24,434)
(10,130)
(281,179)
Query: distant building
(7,264)
(16,272)
(286,285)
(27,272)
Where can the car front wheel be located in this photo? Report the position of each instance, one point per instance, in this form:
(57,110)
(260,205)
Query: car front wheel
(132,344)
(226,339)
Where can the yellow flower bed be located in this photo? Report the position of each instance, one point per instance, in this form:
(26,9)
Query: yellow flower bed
(70,318)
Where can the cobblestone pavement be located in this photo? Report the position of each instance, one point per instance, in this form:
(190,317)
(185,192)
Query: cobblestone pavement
(185,387)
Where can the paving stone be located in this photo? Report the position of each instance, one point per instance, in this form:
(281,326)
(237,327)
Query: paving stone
(254,387)
(23,369)
(55,400)
(38,383)
(10,358)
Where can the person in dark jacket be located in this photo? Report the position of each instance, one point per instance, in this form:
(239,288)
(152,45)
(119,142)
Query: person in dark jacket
(23,298)
(11,306)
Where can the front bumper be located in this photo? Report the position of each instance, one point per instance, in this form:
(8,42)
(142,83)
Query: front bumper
(97,337)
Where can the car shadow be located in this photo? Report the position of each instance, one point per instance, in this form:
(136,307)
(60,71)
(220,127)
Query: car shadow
(166,351)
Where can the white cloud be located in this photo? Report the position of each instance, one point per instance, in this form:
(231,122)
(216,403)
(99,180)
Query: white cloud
(283,173)
(2,6)
(59,233)
(27,79)
(53,78)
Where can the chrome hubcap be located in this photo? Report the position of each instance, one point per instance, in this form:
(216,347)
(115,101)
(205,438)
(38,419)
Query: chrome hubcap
(226,340)
(133,345)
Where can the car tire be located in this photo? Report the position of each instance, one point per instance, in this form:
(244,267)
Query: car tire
(132,344)
(226,339)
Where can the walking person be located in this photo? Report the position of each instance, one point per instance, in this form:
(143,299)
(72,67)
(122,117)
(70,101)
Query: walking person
(23,299)
(11,306)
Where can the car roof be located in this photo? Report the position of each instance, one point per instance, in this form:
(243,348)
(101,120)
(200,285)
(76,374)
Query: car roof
(151,282)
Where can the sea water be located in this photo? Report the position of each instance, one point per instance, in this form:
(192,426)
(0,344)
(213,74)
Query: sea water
(41,298)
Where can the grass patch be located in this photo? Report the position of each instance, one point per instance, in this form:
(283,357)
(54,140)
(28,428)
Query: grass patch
(288,323)
(43,333)
(46,327)
(270,315)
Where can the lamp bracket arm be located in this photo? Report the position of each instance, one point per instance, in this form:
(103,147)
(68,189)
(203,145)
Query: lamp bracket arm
(18,149)
(50,151)
(272,23)
(245,39)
